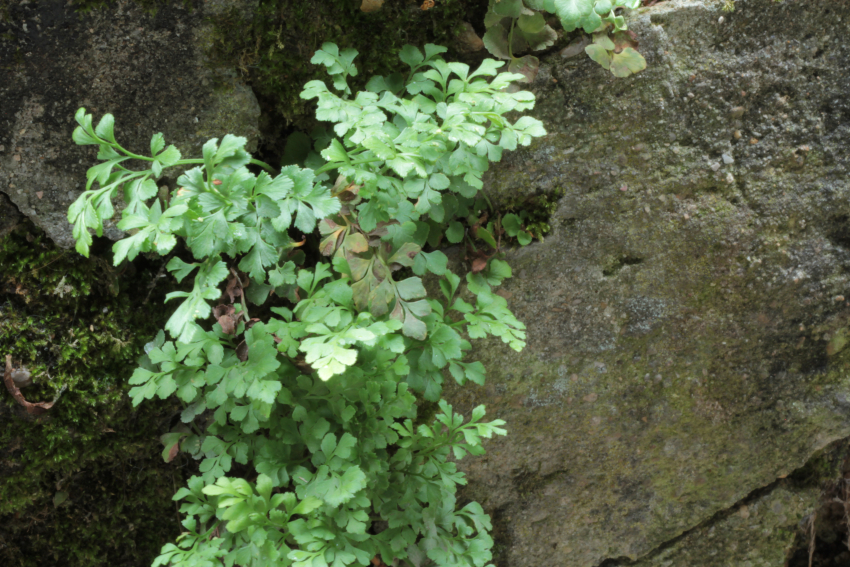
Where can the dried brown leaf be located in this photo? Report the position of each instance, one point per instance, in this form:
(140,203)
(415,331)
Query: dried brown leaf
(173,452)
(227,318)
(478,264)
(32,408)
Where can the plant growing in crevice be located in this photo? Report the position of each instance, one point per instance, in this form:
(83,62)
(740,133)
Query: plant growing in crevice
(520,26)
(303,415)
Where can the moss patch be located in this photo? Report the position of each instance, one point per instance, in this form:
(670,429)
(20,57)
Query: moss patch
(78,324)
(538,209)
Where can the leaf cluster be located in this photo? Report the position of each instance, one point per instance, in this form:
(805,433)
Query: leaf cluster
(515,27)
(316,396)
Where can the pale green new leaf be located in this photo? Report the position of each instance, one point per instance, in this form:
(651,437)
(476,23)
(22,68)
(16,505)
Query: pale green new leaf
(571,12)
(599,54)
(627,62)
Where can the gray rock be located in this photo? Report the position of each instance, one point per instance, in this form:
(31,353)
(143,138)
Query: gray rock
(151,72)
(711,304)
(755,533)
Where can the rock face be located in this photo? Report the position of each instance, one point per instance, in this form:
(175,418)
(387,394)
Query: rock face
(687,318)
(149,71)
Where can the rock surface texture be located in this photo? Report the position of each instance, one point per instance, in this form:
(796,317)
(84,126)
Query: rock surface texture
(687,316)
(149,71)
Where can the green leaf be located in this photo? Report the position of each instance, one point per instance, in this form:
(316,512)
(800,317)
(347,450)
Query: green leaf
(627,62)
(262,254)
(104,128)
(431,51)
(169,157)
(475,372)
(496,42)
(603,40)
(488,67)
(157,143)
(353,481)
(483,234)
(179,268)
(278,188)
(414,328)
(411,55)
(599,54)
(307,505)
(405,255)
(435,262)
(530,126)
(531,23)
(571,12)
(82,138)
(379,148)
(230,144)
(335,152)
(507,8)
(264,486)
(438,181)
(130,247)
(499,269)
(411,288)
(282,274)
(591,22)
(602,7)
(455,232)
(511,224)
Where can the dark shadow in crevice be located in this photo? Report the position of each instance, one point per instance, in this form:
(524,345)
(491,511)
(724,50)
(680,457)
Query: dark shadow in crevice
(613,269)
(829,524)
(839,231)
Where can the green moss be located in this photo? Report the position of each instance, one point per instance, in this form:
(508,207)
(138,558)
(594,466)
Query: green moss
(71,322)
(538,207)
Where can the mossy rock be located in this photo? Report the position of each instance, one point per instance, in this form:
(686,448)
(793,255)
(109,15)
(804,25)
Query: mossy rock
(84,484)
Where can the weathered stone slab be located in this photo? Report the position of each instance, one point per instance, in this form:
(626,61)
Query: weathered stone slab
(150,71)
(687,317)
(758,533)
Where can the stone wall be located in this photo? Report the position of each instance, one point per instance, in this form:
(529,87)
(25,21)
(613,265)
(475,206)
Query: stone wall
(687,315)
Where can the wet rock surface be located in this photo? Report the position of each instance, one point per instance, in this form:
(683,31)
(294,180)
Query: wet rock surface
(687,317)
(150,71)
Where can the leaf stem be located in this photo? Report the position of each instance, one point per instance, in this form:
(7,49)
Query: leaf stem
(337,165)
(511,38)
